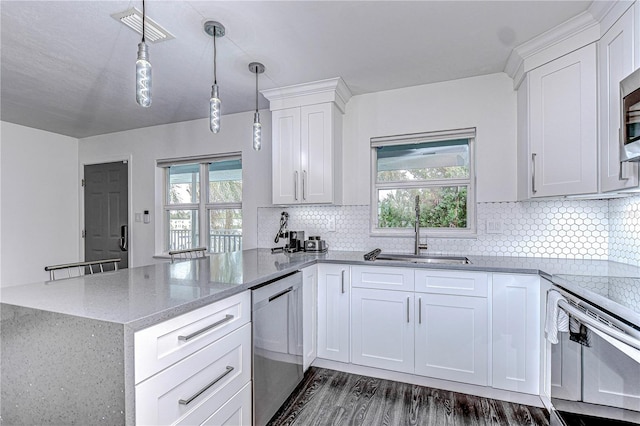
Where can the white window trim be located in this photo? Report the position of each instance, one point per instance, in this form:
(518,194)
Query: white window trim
(471,230)
(203,206)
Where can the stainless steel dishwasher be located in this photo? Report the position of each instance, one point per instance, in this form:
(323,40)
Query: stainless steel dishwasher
(277,344)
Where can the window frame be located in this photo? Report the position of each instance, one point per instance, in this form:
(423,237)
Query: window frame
(438,136)
(203,206)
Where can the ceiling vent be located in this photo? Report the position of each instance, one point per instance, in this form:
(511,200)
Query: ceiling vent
(153,32)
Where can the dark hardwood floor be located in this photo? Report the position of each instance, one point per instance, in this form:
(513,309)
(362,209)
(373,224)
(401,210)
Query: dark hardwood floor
(327,397)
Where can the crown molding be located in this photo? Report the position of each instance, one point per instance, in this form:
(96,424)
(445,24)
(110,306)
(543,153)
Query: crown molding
(515,66)
(330,90)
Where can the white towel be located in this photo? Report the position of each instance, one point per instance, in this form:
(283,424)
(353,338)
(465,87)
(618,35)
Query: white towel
(557,319)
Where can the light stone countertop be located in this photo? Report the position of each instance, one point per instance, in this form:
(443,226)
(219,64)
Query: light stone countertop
(142,296)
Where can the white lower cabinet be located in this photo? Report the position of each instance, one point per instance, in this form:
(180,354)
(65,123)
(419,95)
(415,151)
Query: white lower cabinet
(516,333)
(309,315)
(235,412)
(382,324)
(207,378)
(333,312)
(452,338)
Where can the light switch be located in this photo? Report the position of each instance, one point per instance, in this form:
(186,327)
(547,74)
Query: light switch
(138,217)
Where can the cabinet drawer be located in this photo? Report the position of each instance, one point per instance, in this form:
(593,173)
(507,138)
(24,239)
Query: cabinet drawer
(452,282)
(164,344)
(382,278)
(197,386)
(236,412)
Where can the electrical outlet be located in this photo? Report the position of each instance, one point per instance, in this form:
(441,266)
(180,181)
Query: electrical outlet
(331,224)
(494,227)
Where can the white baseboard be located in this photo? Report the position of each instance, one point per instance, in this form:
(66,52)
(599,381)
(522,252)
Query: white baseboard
(481,391)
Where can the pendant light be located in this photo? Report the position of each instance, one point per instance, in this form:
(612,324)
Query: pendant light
(257,68)
(215,30)
(143,70)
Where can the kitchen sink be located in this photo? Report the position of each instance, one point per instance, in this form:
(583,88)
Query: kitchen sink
(423,258)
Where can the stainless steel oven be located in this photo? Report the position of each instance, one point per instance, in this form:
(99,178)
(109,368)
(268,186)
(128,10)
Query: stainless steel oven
(596,381)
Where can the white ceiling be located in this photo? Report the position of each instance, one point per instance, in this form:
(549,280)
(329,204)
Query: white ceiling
(68,66)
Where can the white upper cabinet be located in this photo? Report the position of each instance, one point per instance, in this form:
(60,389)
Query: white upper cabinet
(307,142)
(558,128)
(616,51)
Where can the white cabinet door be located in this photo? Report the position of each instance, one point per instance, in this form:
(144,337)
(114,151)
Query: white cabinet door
(562,125)
(382,323)
(452,338)
(309,315)
(316,150)
(516,333)
(610,377)
(333,312)
(615,61)
(286,156)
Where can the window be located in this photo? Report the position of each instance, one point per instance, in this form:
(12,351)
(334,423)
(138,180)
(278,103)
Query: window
(203,194)
(438,167)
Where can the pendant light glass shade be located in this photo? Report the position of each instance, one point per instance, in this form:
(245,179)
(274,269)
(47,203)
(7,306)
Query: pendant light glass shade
(257,132)
(143,76)
(143,70)
(215,30)
(214,110)
(257,68)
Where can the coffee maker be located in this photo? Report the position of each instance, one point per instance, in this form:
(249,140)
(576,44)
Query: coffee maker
(296,238)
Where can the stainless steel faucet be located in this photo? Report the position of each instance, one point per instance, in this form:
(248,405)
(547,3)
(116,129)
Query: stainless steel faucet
(418,246)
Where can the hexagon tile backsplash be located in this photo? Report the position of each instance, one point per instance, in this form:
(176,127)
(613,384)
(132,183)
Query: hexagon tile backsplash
(572,229)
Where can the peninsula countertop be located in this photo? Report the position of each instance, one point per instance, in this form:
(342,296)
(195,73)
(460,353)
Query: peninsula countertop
(142,296)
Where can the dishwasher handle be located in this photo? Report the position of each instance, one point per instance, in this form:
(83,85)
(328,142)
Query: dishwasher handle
(282,293)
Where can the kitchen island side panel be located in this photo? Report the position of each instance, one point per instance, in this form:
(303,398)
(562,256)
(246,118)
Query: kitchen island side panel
(60,369)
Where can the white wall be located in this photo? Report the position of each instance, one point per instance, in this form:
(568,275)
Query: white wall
(486,102)
(144,146)
(39,208)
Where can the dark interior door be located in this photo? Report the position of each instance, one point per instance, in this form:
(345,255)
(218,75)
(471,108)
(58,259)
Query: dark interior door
(106,210)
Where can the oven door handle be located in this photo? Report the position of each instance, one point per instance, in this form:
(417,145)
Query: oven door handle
(597,325)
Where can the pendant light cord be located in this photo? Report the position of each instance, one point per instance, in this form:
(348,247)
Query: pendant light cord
(143,13)
(215,77)
(256,89)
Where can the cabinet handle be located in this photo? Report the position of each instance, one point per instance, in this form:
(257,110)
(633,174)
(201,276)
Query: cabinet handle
(342,280)
(533,173)
(304,180)
(188,337)
(204,389)
(282,293)
(419,310)
(295,185)
(408,309)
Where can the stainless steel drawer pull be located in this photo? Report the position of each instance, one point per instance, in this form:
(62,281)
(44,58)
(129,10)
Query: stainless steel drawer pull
(282,293)
(188,337)
(204,389)
(408,309)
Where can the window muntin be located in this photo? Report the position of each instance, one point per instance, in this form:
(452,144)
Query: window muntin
(218,213)
(437,167)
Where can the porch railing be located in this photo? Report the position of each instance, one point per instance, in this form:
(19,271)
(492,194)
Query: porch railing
(219,242)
